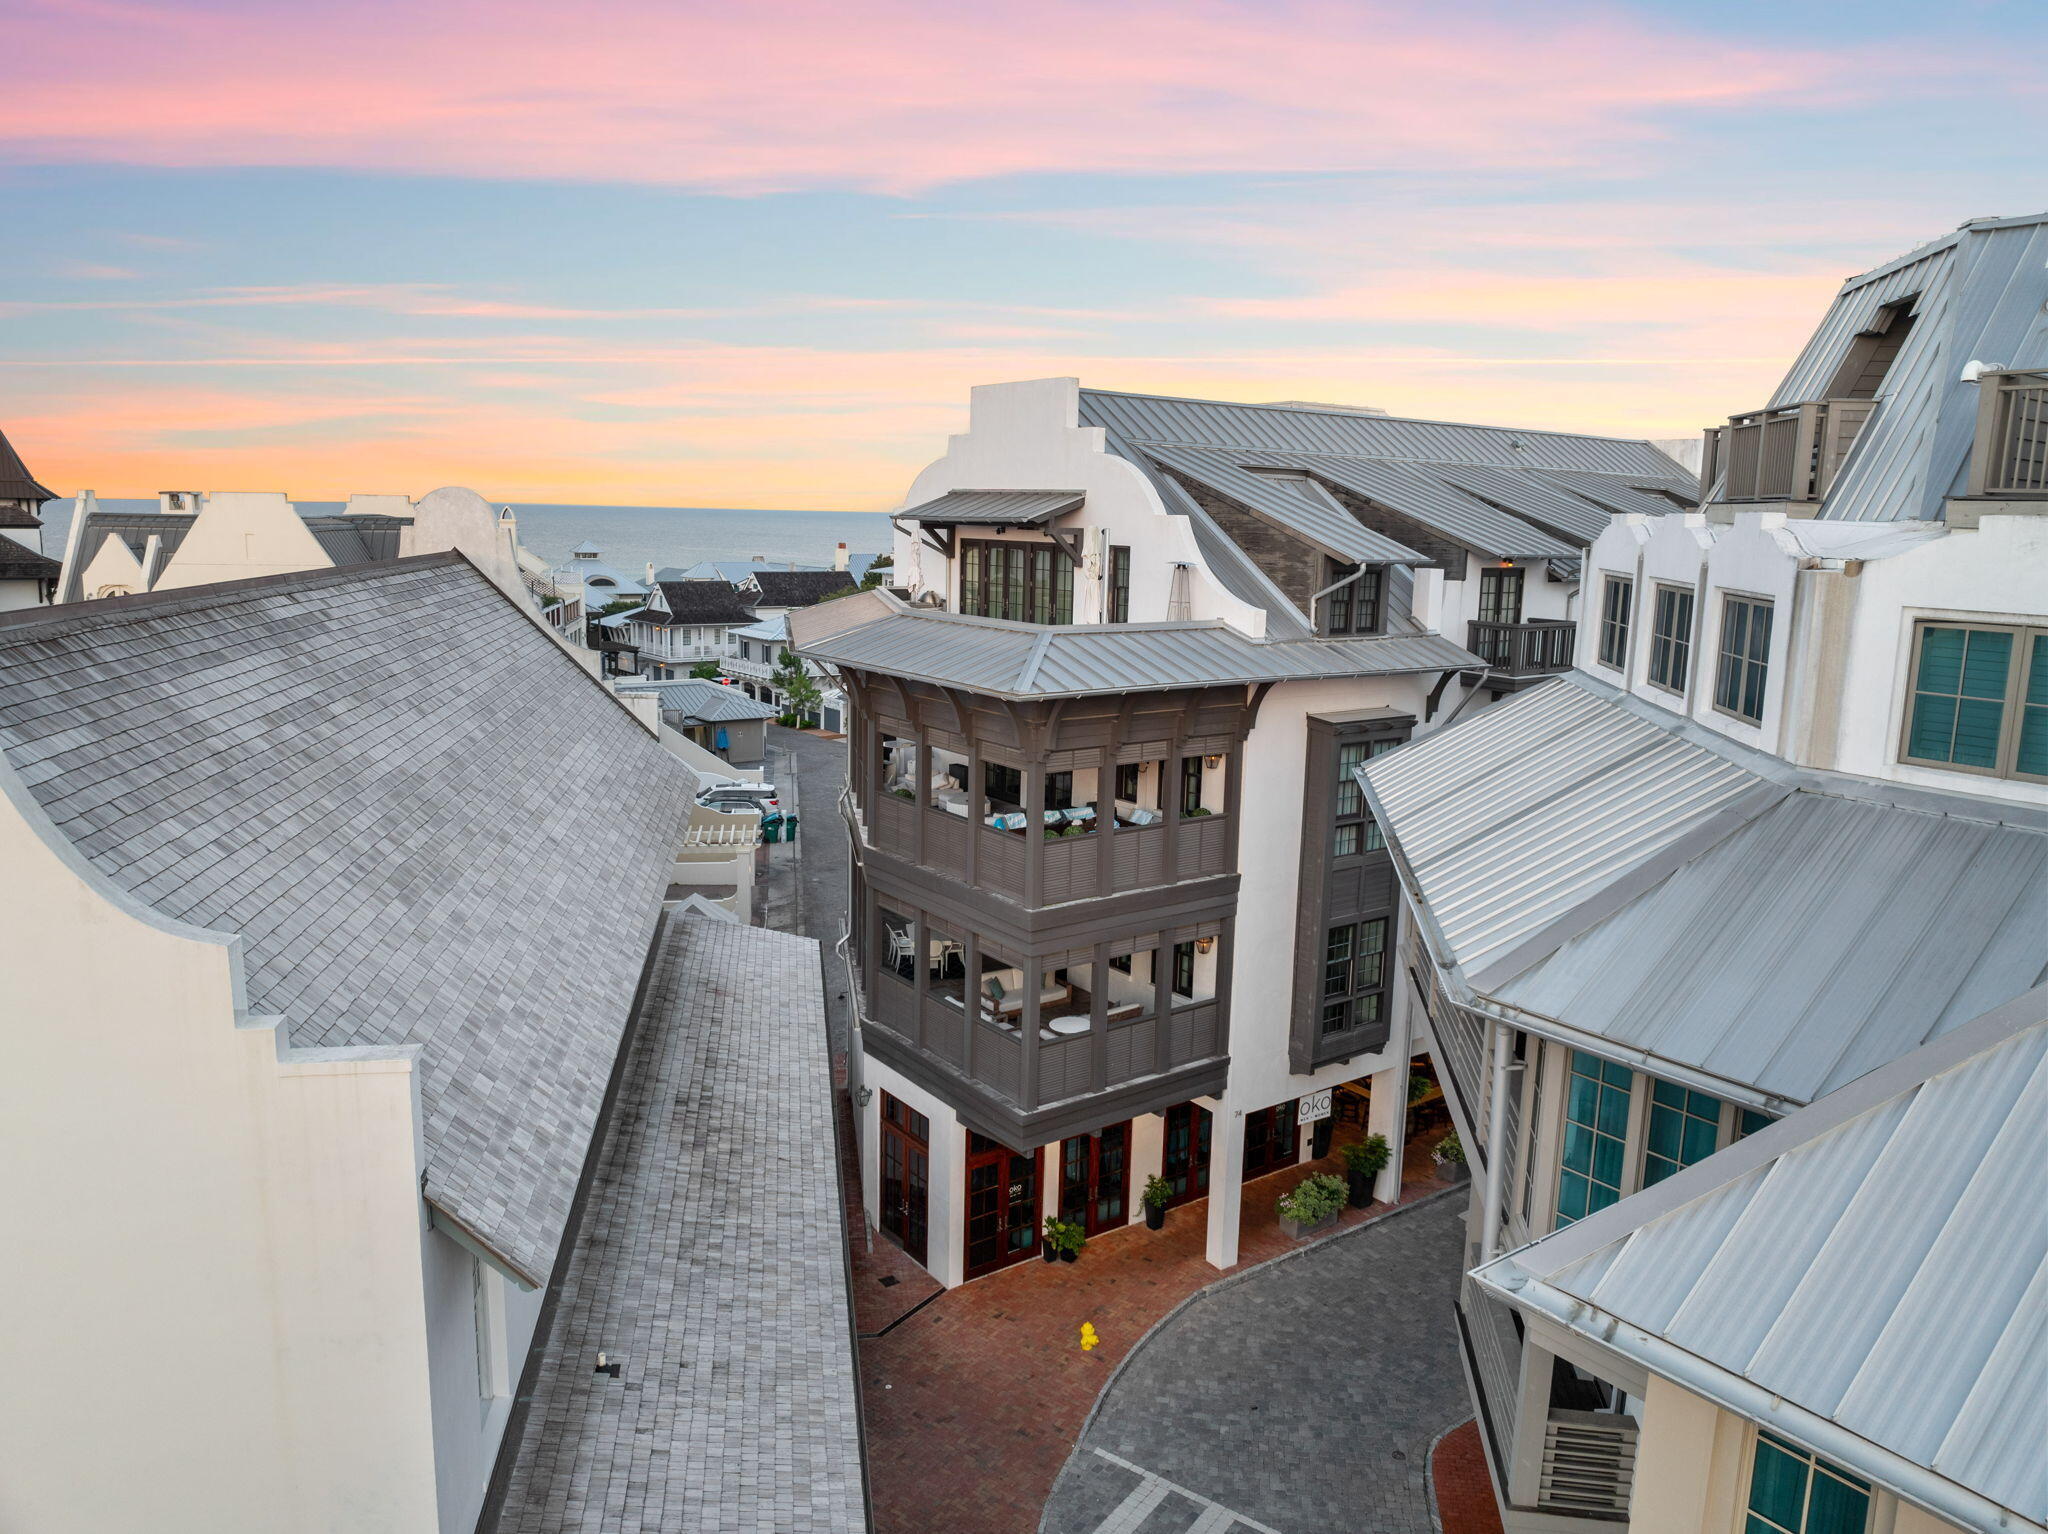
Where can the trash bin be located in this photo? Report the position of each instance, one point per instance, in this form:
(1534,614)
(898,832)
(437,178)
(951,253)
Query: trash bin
(771,828)
(789,828)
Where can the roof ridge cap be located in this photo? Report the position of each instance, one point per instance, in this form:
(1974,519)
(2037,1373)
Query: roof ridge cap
(1029,673)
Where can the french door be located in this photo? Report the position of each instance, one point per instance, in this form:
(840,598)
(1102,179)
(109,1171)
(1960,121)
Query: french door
(906,1176)
(1271,1139)
(1186,1168)
(1095,1178)
(1002,1205)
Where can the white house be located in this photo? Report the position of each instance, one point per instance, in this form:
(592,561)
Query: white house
(1730,945)
(315,1020)
(1118,908)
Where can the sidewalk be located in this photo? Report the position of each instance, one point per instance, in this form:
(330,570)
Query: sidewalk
(974,1401)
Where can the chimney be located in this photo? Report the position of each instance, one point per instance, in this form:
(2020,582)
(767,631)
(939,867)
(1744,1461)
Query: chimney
(839,557)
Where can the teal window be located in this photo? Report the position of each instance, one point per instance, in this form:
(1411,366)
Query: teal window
(1683,1129)
(1979,700)
(1745,658)
(1595,1136)
(1794,1492)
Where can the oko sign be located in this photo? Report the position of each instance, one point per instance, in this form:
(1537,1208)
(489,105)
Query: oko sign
(1315,1105)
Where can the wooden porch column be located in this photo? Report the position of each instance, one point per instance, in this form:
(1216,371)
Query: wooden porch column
(1233,796)
(970,998)
(1098,1019)
(1162,1001)
(1226,962)
(1033,778)
(1034,980)
(921,767)
(921,972)
(977,790)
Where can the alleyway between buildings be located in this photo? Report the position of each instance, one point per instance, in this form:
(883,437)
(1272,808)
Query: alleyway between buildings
(1329,1374)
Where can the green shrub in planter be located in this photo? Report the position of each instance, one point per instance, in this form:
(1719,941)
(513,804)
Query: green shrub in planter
(1450,1148)
(1419,1086)
(1362,1163)
(1158,1193)
(1313,1200)
(1064,1238)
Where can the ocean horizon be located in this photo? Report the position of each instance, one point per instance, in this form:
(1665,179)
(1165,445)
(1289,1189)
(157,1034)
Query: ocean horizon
(632,537)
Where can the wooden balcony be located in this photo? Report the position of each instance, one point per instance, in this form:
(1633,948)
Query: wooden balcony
(1786,453)
(2010,459)
(1068,868)
(1523,652)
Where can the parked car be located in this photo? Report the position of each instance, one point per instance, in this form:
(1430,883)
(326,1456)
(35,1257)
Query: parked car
(733,798)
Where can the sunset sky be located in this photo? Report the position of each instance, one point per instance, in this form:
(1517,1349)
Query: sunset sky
(755,253)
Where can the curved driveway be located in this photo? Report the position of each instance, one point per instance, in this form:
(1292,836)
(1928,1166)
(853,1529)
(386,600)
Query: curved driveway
(1301,1399)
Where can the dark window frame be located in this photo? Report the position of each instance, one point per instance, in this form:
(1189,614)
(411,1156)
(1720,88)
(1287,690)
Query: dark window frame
(1743,673)
(1183,981)
(1354,832)
(1672,610)
(1354,975)
(1191,774)
(1494,587)
(1014,580)
(1353,609)
(1616,592)
(1118,595)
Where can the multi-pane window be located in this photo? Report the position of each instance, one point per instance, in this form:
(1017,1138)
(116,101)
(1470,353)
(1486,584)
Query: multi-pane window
(1595,1136)
(1500,595)
(1684,1127)
(1979,700)
(1190,784)
(1353,608)
(1119,605)
(1127,782)
(1356,831)
(1615,598)
(1671,637)
(1794,1492)
(1024,582)
(1745,657)
(1748,1121)
(1354,974)
(1184,970)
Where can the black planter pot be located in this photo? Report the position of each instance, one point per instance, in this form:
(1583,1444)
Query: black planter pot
(1046,1248)
(1361,1189)
(1155,1216)
(1069,1256)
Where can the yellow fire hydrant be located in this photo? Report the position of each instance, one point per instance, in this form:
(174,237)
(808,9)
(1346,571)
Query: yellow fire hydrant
(1088,1337)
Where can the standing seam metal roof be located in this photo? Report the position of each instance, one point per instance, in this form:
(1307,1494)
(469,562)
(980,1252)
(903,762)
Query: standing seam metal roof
(710,702)
(875,631)
(396,817)
(1879,1260)
(996,508)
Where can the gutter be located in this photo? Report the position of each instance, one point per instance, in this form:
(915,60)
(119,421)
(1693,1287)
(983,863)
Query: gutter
(1914,1482)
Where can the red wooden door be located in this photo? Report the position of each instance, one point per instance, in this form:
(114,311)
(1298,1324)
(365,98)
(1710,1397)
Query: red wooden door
(1187,1153)
(1002,1205)
(1095,1178)
(906,1176)
(1271,1139)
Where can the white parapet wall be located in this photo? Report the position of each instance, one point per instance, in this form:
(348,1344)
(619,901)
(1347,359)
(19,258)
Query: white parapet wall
(216,1323)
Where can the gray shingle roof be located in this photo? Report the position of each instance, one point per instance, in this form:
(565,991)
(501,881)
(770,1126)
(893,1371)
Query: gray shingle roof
(1586,860)
(876,631)
(16,483)
(710,1265)
(1875,1264)
(23,564)
(707,602)
(397,816)
(798,588)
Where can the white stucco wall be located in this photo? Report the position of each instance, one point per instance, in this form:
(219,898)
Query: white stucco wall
(239,534)
(467,1424)
(216,1319)
(455,518)
(1024,436)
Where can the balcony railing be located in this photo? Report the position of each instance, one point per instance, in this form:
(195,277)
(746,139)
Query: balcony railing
(1070,867)
(1535,648)
(1787,453)
(2011,454)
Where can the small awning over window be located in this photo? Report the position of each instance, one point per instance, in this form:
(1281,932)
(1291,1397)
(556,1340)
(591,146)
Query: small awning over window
(995,508)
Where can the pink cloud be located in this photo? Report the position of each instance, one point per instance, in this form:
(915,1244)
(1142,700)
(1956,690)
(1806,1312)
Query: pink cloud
(894,95)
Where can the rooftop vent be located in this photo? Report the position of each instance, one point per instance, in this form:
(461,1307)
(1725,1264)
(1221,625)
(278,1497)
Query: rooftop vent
(1316,404)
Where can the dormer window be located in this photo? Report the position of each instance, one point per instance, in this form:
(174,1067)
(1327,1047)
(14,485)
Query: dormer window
(1352,607)
(1872,352)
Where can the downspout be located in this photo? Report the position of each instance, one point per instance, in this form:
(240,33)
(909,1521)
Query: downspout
(1496,1147)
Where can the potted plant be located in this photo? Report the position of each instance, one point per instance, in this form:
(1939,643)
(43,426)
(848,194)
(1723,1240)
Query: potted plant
(1157,1191)
(1449,1155)
(1063,1239)
(1363,1163)
(1313,1205)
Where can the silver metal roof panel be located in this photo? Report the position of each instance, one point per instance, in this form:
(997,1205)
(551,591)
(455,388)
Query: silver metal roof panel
(995,508)
(1036,661)
(1316,516)
(1837,1279)
(1426,495)
(1535,498)
(697,698)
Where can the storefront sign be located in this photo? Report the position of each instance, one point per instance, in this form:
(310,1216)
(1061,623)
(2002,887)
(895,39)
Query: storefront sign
(1316,1105)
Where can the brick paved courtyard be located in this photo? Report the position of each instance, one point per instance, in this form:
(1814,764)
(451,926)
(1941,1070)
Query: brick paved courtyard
(974,1402)
(1464,1491)
(1301,1399)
